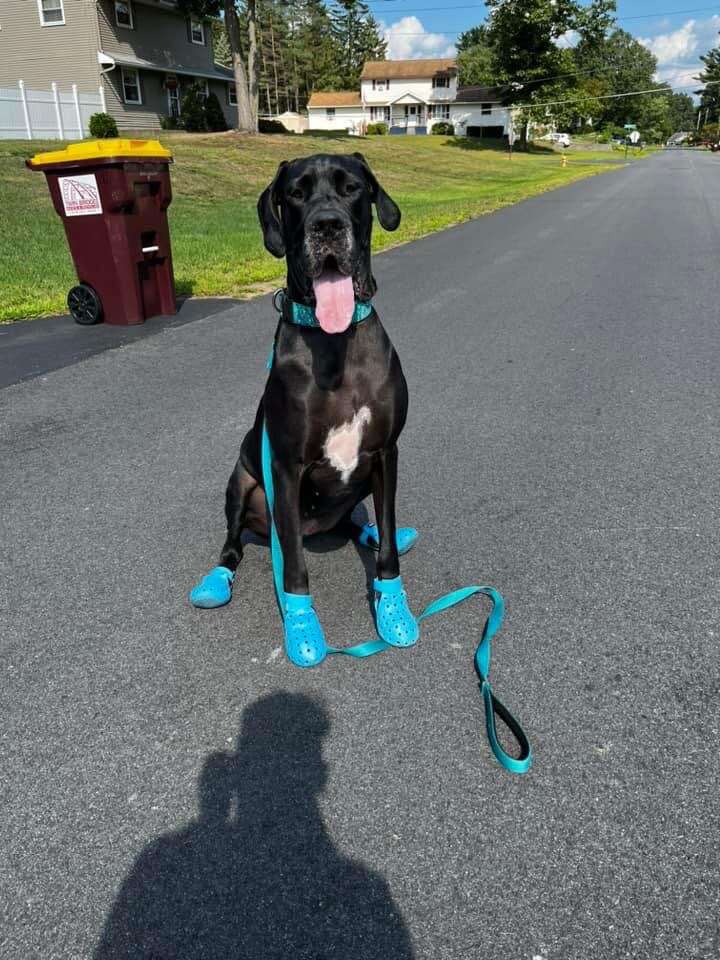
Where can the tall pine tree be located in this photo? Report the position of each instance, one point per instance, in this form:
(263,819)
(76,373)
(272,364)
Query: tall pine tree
(710,94)
(357,36)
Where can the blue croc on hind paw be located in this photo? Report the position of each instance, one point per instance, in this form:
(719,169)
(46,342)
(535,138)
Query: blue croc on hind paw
(304,639)
(214,590)
(405,537)
(395,622)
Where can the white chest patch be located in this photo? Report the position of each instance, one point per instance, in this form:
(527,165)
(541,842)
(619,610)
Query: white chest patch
(342,444)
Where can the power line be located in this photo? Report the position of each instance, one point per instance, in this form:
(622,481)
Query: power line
(613,96)
(480,6)
(473,6)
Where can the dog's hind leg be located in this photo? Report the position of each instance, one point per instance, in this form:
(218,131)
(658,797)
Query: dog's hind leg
(215,589)
(240,489)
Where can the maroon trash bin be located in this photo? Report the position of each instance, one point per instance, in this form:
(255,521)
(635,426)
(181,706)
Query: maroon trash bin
(113,197)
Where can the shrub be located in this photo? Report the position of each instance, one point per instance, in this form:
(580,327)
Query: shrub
(270,126)
(330,134)
(102,126)
(193,117)
(170,123)
(444,128)
(214,114)
(377,129)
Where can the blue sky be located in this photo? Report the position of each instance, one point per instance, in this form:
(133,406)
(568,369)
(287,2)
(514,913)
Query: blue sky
(677,31)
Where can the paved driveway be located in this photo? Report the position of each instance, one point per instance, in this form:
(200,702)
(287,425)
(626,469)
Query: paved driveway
(174,788)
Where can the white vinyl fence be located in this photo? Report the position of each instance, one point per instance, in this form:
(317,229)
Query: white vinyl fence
(47,114)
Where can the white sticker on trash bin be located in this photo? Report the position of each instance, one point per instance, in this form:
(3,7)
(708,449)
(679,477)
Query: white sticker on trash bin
(80,194)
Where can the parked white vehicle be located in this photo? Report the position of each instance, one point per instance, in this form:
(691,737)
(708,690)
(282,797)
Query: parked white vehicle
(563,139)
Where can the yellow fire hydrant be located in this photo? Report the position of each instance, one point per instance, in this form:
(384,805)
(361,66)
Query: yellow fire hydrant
(564,160)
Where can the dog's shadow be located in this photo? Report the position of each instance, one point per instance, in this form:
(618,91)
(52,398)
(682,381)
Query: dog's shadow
(256,876)
(330,542)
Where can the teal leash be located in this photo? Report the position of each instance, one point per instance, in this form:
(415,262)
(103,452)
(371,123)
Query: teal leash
(493,706)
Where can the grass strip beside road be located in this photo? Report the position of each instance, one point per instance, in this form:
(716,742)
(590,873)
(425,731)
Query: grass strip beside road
(217,246)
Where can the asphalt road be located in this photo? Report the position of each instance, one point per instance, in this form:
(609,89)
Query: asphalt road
(173,788)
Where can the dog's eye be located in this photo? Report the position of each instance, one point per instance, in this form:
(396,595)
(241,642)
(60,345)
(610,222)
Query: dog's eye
(352,187)
(296,193)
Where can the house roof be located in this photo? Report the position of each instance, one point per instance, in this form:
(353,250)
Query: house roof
(217,72)
(479,94)
(406,69)
(335,98)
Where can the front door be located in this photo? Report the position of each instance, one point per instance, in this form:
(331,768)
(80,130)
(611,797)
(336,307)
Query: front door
(411,112)
(173,94)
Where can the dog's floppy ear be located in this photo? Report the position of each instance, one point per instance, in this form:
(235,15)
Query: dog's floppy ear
(387,210)
(269,213)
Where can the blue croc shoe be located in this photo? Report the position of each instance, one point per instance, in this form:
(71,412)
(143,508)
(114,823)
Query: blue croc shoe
(304,639)
(395,623)
(214,590)
(405,538)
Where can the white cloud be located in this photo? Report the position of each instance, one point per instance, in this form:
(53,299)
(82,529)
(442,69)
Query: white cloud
(408,40)
(678,51)
(672,47)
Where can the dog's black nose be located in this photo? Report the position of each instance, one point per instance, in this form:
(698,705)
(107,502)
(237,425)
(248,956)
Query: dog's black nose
(327,223)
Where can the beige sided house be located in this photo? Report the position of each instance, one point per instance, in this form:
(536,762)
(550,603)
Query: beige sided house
(140,55)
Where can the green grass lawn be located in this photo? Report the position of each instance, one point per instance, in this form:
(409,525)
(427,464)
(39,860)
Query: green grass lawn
(217,246)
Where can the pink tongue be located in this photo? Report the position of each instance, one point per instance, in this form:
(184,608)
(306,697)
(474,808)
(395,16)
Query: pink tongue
(335,301)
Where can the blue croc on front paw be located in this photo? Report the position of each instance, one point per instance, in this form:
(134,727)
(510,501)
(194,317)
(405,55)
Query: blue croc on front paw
(405,537)
(304,639)
(395,623)
(214,590)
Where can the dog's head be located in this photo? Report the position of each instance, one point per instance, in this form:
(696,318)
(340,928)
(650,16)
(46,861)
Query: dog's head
(317,212)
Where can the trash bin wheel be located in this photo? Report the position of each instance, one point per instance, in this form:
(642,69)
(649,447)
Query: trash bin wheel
(84,305)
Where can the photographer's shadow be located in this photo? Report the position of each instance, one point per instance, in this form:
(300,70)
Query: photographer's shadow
(257,876)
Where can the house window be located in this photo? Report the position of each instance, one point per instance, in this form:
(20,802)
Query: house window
(381,84)
(197,31)
(441,111)
(380,113)
(486,109)
(441,81)
(232,95)
(131,85)
(124,14)
(330,113)
(52,13)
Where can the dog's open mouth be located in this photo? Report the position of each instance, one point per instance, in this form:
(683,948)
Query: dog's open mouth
(334,298)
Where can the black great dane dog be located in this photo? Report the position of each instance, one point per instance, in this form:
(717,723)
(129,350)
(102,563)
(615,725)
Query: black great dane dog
(334,404)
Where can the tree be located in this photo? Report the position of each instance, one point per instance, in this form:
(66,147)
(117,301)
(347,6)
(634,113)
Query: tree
(476,66)
(474,37)
(710,95)
(682,112)
(620,64)
(221,47)
(525,36)
(316,53)
(246,86)
(357,35)
(245,79)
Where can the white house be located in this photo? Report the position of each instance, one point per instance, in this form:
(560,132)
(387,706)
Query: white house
(410,96)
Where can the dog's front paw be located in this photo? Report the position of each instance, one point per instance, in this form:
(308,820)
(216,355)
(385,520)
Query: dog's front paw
(304,639)
(214,590)
(395,622)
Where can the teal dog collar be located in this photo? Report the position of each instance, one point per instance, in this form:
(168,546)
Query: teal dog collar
(304,316)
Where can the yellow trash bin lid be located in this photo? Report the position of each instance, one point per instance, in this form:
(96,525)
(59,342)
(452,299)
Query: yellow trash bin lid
(99,151)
